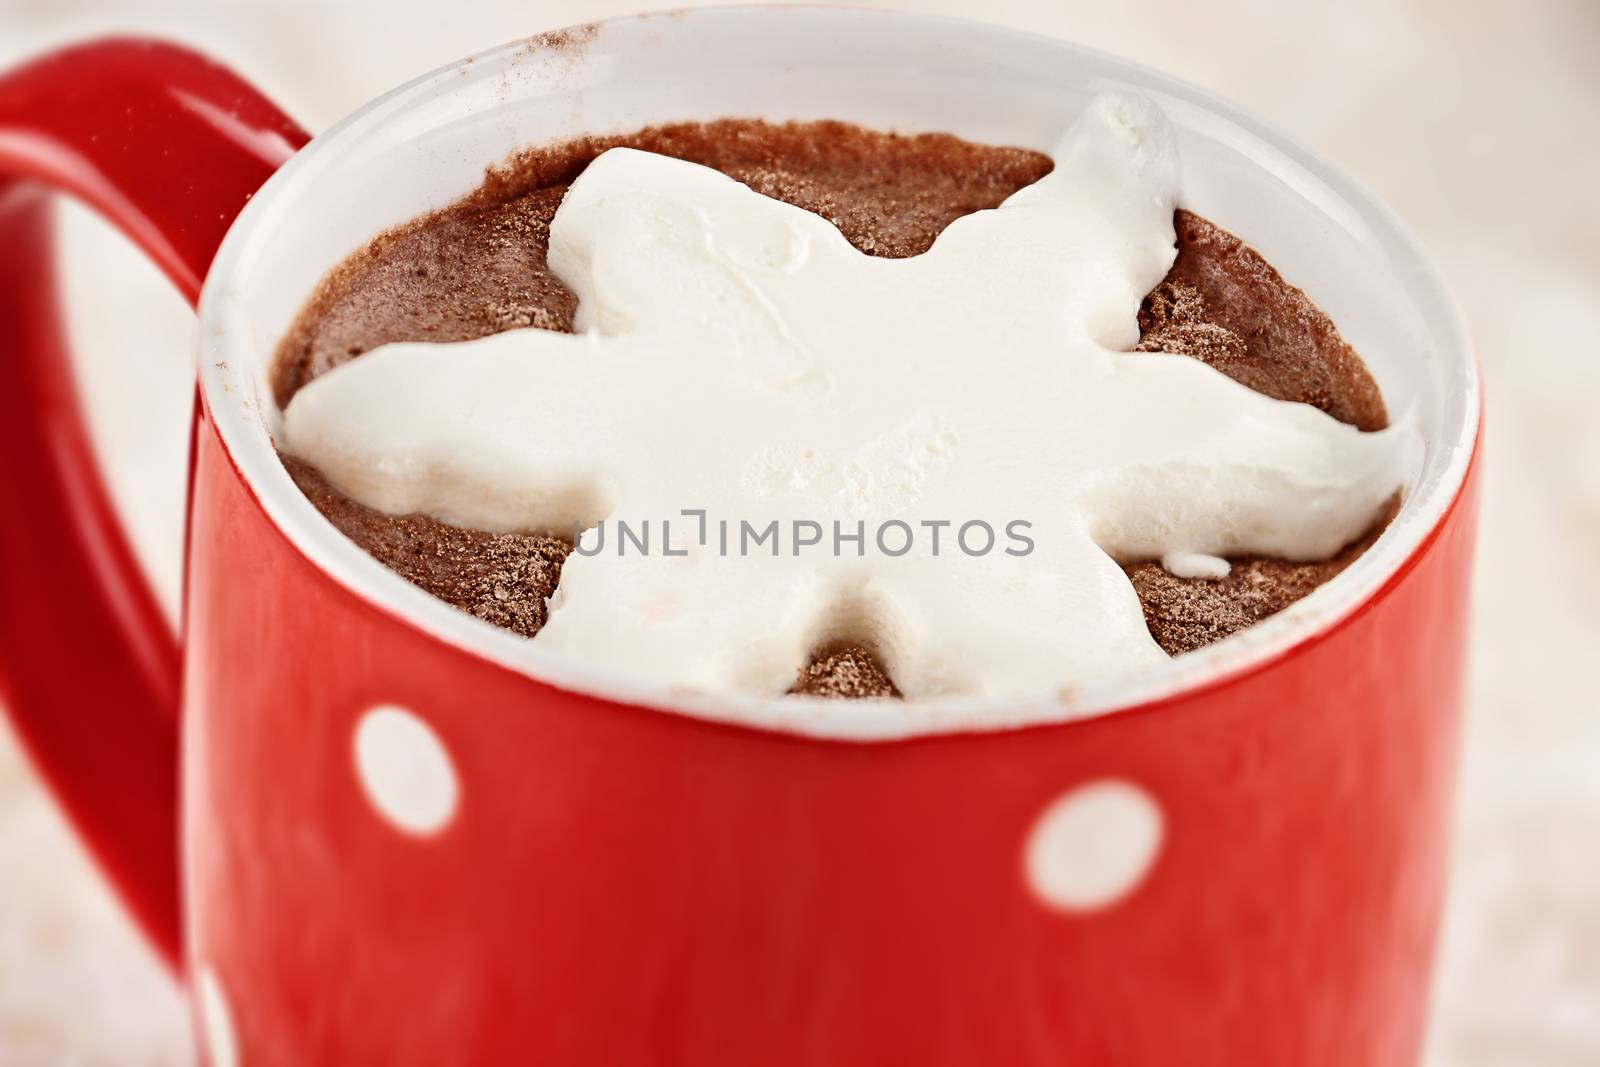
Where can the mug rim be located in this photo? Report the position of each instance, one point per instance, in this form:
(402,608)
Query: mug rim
(240,426)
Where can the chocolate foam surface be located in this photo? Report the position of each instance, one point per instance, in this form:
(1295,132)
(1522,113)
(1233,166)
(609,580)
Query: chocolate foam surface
(478,267)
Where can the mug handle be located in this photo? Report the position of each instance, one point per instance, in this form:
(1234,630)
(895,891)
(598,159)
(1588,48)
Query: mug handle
(167,146)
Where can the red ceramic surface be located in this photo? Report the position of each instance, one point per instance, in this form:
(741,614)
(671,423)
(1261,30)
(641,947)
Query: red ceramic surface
(168,146)
(540,875)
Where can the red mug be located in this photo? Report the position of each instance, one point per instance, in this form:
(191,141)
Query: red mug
(407,837)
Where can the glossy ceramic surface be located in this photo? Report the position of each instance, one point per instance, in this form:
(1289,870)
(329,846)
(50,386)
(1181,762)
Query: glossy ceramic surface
(406,841)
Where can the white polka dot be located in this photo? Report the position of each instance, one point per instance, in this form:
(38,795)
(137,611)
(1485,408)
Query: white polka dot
(1093,845)
(222,1049)
(405,770)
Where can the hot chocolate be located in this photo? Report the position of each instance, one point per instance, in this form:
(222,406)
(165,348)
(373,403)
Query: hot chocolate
(480,267)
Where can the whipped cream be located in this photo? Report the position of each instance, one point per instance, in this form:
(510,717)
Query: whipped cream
(737,357)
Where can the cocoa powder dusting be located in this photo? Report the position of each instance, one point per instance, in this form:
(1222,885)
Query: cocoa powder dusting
(1187,613)
(501,578)
(846,673)
(478,267)
(1225,305)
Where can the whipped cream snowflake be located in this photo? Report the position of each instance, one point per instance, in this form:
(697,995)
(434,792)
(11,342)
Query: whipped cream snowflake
(737,356)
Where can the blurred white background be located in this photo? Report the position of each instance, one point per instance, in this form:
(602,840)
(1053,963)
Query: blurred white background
(1478,120)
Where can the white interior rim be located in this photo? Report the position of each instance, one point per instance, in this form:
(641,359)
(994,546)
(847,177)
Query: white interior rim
(1323,610)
